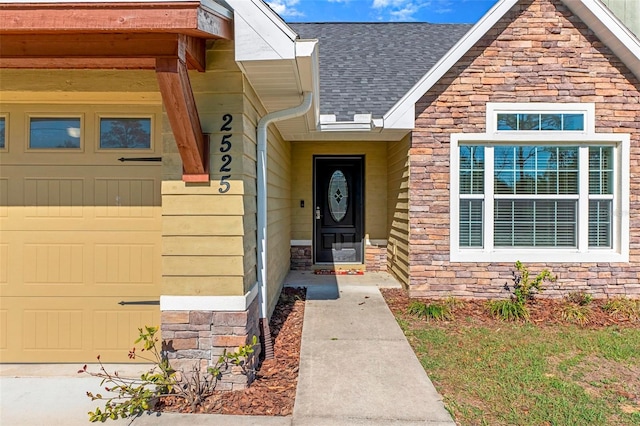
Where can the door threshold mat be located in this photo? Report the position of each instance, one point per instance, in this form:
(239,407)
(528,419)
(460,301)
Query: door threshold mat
(338,272)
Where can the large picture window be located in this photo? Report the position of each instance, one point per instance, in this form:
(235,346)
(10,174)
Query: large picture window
(528,196)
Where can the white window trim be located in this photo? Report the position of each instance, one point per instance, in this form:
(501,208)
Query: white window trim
(495,108)
(620,227)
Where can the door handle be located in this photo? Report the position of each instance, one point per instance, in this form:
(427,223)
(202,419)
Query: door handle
(318,215)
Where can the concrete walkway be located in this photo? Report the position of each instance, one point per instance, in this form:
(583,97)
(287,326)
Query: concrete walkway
(356,368)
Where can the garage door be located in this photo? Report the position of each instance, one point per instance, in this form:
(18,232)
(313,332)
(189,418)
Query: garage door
(80,230)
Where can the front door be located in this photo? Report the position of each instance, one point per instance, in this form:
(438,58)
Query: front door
(338,209)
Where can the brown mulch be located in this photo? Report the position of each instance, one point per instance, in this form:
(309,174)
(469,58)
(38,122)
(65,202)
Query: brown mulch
(273,391)
(543,312)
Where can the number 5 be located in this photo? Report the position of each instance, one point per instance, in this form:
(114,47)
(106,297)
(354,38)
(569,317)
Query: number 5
(223,182)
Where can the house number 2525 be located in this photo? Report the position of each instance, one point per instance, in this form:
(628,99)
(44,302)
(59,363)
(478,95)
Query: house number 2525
(225,147)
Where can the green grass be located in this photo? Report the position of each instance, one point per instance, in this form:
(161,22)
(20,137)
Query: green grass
(520,374)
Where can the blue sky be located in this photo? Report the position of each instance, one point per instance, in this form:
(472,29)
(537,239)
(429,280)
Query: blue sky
(435,11)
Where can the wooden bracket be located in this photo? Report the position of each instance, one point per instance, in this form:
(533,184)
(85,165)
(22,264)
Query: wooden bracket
(201,177)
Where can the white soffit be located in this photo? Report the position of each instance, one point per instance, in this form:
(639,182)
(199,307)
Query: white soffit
(259,33)
(592,12)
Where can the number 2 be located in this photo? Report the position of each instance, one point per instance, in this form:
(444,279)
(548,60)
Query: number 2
(226,127)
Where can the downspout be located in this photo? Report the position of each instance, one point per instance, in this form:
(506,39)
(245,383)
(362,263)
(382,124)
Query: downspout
(262,210)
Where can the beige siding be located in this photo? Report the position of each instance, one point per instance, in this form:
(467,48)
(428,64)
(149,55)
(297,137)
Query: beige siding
(209,236)
(375,184)
(398,209)
(278,200)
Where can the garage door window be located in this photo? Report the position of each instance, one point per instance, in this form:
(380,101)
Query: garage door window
(3,132)
(55,132)
(125,133)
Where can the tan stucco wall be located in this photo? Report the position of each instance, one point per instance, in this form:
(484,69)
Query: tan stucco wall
(398,209)
(375,184)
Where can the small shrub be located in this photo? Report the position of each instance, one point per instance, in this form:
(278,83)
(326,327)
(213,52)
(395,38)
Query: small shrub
(436,311)
(132,396)
(508,310)
(623,307)
(524,289)
(579,298)
(577,313)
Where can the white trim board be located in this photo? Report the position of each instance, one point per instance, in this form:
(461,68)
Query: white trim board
(209,303)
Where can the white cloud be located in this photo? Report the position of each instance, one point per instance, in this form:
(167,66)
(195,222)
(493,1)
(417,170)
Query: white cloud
(285,8)
(405,10)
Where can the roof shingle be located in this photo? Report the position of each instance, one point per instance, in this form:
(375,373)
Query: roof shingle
(365,68)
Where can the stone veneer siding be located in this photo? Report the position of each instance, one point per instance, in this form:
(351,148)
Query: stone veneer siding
(539,52)
(375,258)
(301,258)
(198,338)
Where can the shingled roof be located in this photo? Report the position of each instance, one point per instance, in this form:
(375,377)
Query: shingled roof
(365,68)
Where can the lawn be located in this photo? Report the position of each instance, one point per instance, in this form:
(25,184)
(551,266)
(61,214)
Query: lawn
(492,372)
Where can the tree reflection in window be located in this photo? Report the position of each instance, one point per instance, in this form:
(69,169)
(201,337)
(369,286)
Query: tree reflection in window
(125,133)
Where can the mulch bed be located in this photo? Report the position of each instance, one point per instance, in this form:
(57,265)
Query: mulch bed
(543,312)
(274,390)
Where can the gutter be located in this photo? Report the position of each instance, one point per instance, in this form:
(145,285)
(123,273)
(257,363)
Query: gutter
(261,219)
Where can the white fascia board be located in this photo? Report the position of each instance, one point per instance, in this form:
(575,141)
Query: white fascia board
(610,30)
(402,114)
(309,74)
(209,303)
(360,123)
(260,34)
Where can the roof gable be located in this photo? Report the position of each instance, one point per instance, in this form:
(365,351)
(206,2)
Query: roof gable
(592,12)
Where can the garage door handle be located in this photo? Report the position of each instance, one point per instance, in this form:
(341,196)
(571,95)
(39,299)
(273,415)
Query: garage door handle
(123,159)
(139,302)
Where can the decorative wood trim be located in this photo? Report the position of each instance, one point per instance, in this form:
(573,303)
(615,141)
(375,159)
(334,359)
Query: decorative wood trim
(180,105)
(94,51)
(176,17)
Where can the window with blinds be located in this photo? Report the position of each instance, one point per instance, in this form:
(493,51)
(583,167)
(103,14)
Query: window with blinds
(540,185)
(535,196)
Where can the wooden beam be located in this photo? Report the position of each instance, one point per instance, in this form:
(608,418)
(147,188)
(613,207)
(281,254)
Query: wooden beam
(180,106)
(89,45)
(95,51)
(177,17)
(195,52)
(79,63)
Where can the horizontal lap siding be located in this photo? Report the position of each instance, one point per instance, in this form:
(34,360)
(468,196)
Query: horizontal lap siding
(398,209)
(278,200)
(539,52)
(208,236)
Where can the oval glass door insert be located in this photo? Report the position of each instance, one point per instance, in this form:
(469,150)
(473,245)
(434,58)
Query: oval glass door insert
(338,195)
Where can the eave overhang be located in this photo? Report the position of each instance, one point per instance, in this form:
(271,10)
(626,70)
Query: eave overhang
(279,65)
(166,36)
